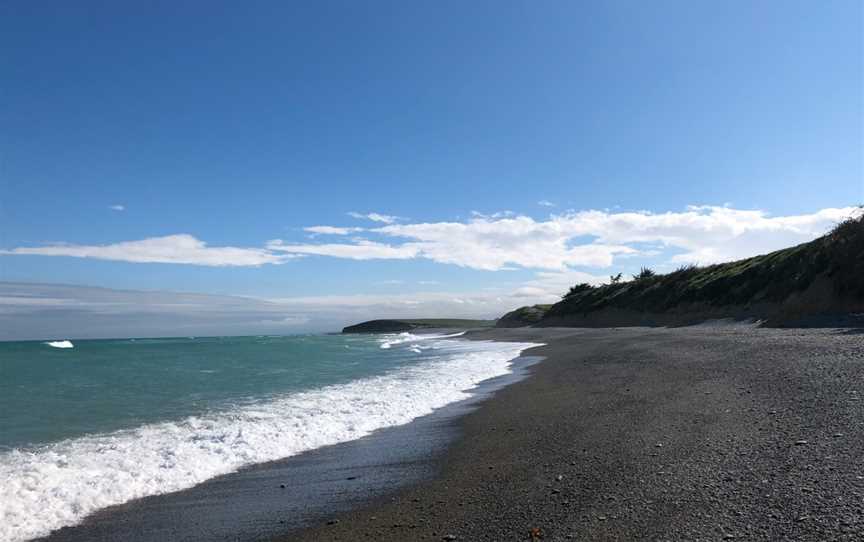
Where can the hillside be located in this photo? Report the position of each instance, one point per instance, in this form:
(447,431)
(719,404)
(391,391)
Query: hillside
(398,326)
(523,316)
(819,280)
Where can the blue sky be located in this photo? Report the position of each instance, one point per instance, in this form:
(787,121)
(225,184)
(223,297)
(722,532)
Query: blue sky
(239,125)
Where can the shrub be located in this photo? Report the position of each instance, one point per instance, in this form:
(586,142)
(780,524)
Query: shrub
(578,289)
(644,273)
(685,269)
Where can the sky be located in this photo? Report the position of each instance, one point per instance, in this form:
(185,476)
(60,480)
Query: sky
(282,167)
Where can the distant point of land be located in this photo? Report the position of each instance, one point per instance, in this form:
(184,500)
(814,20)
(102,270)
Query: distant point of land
(398,326)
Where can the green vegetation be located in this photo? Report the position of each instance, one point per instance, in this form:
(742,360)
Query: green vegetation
(644,273)
(525,316)
(578,289)
(397,326)
(771,278)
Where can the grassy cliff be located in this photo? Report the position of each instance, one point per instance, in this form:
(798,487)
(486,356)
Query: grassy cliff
(523,316)
(799,285)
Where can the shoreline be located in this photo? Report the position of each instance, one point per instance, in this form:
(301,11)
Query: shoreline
(263,501)
(708,432)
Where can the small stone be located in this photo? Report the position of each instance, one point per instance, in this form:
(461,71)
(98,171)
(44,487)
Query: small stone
(800,442)
(838,435)
(659,445)
(282,486)
(333,522)
(559,477)
(728,536)
(449,537)
(351,478)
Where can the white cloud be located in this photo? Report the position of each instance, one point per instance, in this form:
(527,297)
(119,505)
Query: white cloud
(707,234)
(375,217)
(361,249)
(332,230)
(176,249)
(703,234)
(590,239)
(545,203)
(117,207)
(491,244)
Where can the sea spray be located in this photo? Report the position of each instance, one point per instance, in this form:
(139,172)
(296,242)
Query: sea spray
(53,485)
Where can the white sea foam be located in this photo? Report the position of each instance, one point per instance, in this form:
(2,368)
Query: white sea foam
(59,484)
(392,340)
(60,344)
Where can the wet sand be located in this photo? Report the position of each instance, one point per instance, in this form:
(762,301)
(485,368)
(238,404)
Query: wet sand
(698,433)
(266,500)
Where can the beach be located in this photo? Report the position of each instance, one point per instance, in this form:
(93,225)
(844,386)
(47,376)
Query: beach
(706,432)
(697,433)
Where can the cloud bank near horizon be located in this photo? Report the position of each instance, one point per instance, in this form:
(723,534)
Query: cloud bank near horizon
(56,311)
(573,239)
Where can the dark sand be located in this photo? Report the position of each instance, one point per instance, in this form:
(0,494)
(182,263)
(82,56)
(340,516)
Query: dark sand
(700,433)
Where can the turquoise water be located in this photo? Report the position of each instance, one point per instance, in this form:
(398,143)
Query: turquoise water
(49,394)
(97,423)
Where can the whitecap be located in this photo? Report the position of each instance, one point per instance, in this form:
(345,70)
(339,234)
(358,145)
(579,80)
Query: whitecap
(59,484)
(392,340)
(60,344)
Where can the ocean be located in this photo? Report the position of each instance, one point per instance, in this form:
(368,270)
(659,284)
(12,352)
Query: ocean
(89,424)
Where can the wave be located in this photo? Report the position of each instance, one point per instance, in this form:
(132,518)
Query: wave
(392,340)
(56,485)
(60,344)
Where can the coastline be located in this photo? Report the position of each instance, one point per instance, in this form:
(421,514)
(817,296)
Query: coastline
(707,432)
(262,501)
(702,433)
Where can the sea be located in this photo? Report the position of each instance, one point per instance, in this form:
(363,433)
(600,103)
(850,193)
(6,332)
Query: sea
(88,424)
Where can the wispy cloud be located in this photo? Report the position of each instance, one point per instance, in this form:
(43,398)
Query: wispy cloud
(360,249)
(699,234)
(332,230)
(175,249)
(375,217)
(501,241)
(117,207)
(545,203)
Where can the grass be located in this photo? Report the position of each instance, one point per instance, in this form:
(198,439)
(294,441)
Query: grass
(838,256)
(524,316)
